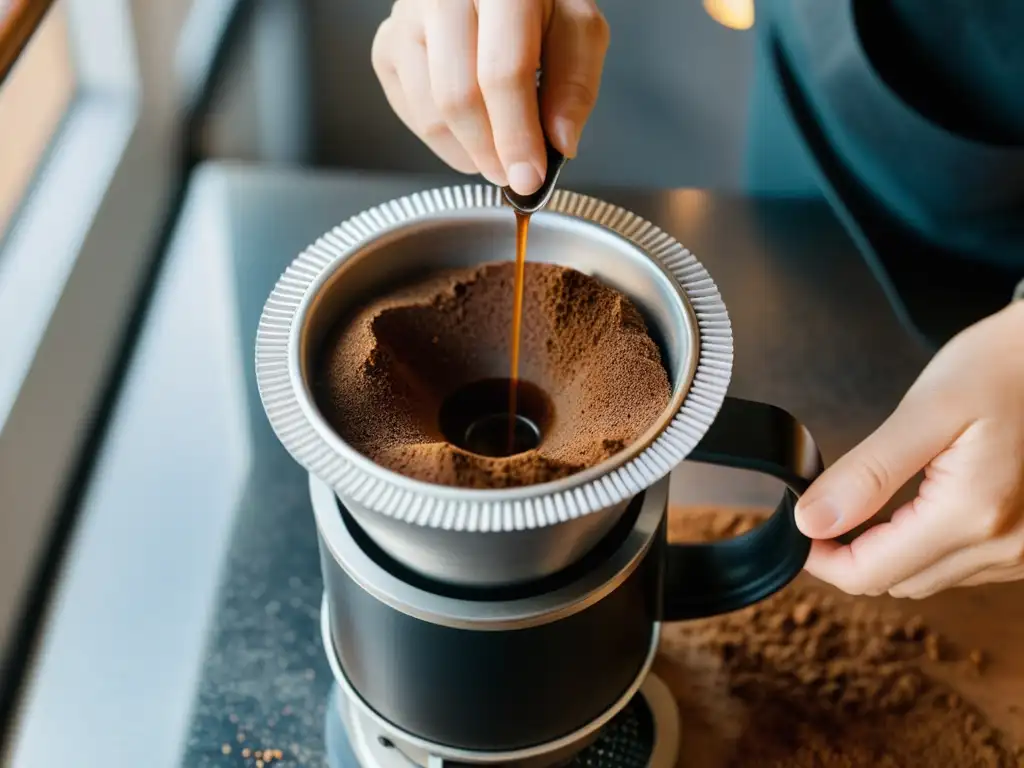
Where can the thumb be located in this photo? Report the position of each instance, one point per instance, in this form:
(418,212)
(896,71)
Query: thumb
(573,56)
(859,484)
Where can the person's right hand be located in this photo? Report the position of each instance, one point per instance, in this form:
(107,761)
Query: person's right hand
(461,75)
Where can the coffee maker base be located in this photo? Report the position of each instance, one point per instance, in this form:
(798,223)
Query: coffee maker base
(645,734)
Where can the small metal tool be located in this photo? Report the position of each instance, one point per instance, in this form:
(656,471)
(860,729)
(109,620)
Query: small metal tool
(527,204)
(534,202)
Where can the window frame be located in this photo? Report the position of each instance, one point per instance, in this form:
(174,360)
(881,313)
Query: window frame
(18,25)
(99,207)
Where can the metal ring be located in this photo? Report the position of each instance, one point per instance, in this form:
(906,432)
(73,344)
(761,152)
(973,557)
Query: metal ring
(381,491)
(487,615)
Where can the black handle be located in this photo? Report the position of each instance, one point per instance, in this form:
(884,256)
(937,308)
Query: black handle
(712,578)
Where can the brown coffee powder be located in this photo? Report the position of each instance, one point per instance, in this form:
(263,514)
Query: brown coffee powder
(809,678)
(386,372)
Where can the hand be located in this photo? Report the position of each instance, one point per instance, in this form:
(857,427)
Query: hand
(461,75)
(963,423)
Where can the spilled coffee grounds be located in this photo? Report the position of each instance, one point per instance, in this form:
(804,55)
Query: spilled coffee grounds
(386,372)
(810,678)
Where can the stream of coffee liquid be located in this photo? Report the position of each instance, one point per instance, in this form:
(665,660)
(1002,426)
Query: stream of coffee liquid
(522,231)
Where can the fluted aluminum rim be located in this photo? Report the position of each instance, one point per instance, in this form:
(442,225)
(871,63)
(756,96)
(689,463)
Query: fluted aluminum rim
(386,492)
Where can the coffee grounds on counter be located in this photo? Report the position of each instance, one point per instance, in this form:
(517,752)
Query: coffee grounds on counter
(812,678)
(386,372)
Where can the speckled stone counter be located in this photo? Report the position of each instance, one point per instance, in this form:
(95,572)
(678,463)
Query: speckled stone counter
(191,596)
(265,678)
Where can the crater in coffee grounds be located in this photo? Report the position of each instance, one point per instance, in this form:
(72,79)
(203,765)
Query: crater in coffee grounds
(477,417)
(391,379)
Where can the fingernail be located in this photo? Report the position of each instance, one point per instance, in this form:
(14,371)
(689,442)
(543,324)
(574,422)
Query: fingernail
(816,519)
(565,135)
(496,178)
(524,179)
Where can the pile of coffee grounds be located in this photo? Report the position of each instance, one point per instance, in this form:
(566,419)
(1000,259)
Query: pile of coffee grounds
(385,373)
(813,678)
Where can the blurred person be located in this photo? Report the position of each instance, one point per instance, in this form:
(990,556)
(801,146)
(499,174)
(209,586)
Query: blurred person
(461,75)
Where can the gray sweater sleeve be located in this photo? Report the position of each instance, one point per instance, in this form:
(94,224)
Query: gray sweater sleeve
(1018,295)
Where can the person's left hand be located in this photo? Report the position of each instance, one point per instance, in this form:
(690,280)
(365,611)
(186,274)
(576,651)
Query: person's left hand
(962,423)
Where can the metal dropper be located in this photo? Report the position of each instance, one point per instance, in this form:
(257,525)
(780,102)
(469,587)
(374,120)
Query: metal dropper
(527,204)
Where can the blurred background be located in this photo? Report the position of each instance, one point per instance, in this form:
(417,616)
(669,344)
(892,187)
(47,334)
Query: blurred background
(162,160)
(293,84)
(679,97)
(108,106)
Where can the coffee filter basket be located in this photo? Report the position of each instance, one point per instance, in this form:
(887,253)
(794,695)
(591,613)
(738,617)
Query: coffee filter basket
(499,536)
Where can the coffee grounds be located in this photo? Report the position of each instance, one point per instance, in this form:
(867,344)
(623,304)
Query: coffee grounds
(812,678)
(386,372)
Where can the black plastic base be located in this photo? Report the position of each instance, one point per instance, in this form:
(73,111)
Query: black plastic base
(438,681)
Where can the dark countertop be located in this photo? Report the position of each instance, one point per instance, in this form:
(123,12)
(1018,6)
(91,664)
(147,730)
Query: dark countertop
(187,614)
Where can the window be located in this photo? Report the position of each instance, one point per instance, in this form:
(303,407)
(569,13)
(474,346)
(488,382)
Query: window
(33,100)
(92,114)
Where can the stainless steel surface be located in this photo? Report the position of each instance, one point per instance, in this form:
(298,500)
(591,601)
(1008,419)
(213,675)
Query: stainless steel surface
(222,538)
(665,711)
(364,736)
(452,534)
(487,614)
(568,743)
(377,745)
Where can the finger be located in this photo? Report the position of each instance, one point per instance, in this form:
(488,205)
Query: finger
(995,576)
(574,49)
(387,74)
(953,569)
(853,489)
(430,126)
(508,56)
(887,554)
(452,58)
